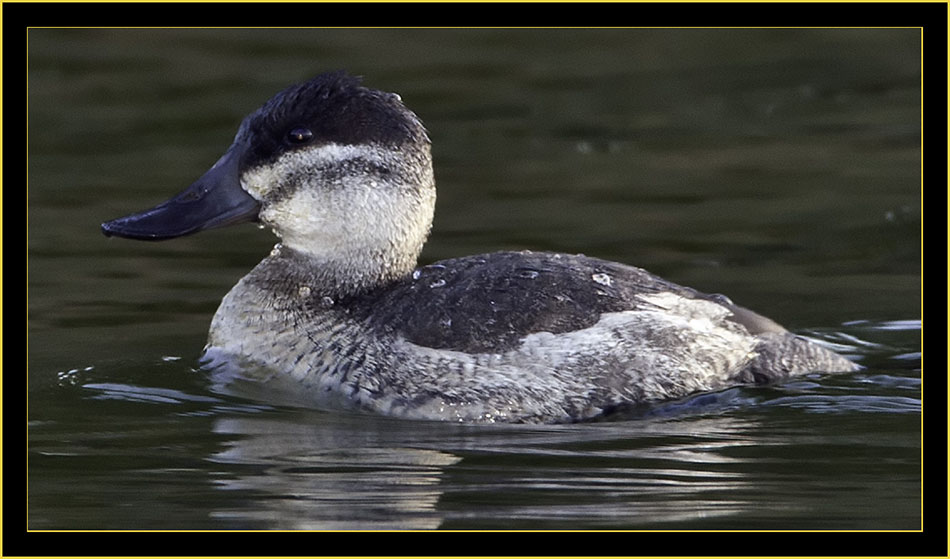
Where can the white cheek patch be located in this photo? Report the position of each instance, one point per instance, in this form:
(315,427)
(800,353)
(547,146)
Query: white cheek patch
(265,179)
(308,218)
(319,205)
(258,182)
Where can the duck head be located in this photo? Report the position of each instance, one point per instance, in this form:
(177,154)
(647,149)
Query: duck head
(340,172)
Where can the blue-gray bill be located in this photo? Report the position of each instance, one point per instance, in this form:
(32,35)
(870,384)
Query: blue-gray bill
(216,199)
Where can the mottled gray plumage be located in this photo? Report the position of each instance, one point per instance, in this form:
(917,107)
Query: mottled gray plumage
(339,316)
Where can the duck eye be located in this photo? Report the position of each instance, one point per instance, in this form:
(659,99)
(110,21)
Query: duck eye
(299,135)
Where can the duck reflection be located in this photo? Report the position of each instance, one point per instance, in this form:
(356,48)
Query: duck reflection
(308,470)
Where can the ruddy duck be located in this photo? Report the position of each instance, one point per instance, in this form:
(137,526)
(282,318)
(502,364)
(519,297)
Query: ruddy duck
(339,311)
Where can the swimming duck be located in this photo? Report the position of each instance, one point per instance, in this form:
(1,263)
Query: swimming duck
(339,311)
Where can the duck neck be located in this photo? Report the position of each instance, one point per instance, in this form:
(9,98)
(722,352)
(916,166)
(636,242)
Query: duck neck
(287,270)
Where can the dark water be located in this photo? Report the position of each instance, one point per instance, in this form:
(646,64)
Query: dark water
(781,167)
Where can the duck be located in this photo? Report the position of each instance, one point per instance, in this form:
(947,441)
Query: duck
(341,312)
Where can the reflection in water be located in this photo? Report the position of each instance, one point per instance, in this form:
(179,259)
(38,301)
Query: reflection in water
(321,479)
(320,473)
